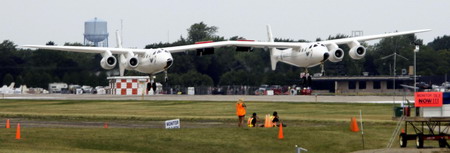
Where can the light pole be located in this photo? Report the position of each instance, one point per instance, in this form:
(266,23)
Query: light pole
(415,72)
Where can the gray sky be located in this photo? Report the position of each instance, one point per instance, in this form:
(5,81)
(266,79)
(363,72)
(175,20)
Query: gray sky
(148,21)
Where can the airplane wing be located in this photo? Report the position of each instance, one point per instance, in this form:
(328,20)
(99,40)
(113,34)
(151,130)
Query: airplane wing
(177,49)
(83,49)
(371,37)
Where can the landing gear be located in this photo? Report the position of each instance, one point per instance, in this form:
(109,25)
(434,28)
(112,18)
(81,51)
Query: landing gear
(305,83)
(322,66)
(152,84)
(166,78)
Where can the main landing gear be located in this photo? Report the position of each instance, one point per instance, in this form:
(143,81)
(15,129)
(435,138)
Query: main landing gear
(166,78)
(322,66)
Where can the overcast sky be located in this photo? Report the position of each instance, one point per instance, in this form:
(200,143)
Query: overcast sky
(149,21)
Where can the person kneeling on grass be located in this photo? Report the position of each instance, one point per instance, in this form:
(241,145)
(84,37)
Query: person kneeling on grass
(253,121)
(276,120)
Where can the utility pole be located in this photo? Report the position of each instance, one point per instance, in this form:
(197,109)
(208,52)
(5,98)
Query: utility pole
(394,73)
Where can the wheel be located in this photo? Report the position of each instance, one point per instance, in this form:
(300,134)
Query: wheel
(419,141)
(402,140)
(154,87)
(442,143)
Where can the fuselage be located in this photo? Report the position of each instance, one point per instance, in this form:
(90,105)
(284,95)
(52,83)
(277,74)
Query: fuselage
(154,61)
(308,55)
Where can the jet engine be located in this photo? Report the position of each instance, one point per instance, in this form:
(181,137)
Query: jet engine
(357,52)
(336,55)
(132,63)
(108,62)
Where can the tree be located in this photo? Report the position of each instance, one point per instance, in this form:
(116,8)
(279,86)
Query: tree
(7,79)
(19,80)
(440,43)
(50,43)
(200,32)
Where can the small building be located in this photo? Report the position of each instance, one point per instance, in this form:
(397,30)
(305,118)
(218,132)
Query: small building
(128,85)
(361,84)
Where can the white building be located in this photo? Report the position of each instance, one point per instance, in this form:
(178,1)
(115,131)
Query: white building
(56,87)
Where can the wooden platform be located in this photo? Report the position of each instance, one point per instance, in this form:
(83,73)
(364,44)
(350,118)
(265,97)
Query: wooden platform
(423,119)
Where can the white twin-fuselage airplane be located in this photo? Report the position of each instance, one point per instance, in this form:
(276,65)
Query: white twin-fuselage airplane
(300,54)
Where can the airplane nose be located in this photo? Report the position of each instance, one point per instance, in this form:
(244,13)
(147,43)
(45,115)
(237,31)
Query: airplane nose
(325,56)
(169,63)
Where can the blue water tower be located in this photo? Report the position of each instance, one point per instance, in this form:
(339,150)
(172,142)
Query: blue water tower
(96,33)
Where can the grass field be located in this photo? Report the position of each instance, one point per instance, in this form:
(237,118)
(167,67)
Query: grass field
(319,127)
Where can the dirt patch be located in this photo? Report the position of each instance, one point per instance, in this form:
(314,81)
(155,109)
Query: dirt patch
(25,123)
(408,150)
(29,123)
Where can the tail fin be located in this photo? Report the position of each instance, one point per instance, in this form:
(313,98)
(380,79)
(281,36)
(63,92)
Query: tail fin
(11,86)
(118,39)
(273,60)
(122,59)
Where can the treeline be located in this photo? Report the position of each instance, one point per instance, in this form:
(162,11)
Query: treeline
(36,68)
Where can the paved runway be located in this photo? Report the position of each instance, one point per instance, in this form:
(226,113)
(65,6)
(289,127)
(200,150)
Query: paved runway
(277,98)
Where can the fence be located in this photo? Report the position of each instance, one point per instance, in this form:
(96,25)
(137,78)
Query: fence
(208,90)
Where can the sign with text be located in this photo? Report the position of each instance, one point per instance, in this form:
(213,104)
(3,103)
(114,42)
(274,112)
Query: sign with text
(173,124)
(428,99)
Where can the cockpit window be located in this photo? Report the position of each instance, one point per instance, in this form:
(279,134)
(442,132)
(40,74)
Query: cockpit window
(310,47)
(166,51)
(154,53)
(315,45)
(159,51)
(322,45)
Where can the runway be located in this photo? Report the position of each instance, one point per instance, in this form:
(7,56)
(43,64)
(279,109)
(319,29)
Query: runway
(276,98)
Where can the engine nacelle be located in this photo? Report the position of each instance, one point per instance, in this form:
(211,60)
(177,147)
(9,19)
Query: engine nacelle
(336,55)
(357,52)
(132,63)
(108,62)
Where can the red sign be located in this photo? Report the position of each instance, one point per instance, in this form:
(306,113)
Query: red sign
(428,99)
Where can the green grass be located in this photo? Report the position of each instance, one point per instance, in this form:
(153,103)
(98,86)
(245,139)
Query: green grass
(319,127)
(188,110)
(335,138)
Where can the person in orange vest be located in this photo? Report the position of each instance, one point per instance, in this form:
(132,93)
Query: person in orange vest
(253,121)
(240,111)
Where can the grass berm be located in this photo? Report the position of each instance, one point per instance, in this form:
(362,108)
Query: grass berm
(319,127)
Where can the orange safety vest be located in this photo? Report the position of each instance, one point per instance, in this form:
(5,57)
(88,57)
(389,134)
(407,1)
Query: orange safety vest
(240,110)
(249,122)
(271,121)
(271,118)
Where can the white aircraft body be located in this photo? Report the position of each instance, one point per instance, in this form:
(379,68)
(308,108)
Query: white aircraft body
(7,89)
(300,54)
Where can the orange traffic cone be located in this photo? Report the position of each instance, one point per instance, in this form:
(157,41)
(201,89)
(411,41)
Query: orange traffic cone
(280,132)
(266,121)
(105,125)
(18,131)
(7,124)
(354,125)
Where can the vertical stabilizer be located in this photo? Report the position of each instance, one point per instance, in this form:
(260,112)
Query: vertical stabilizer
(273,60)
(269,33)
(118,39)
(122,64)
(11,86)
